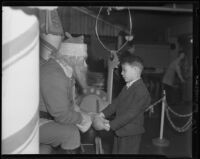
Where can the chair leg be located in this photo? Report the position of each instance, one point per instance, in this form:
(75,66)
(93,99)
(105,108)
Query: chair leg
(100,146)
(97,145)
(82,149)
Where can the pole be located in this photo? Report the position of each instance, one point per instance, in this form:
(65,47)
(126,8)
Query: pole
(99,148)
(110,84)
(113,62)
(161,141)
(162,116)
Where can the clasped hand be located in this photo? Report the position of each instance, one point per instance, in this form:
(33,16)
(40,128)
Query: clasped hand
(86,122)
(99,123)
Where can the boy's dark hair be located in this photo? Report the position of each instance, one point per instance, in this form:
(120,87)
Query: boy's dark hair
(127,57)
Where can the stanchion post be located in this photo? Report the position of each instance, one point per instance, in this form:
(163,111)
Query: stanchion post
(161,141)
(162,116)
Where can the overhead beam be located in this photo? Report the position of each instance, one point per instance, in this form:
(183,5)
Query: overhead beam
(166,9)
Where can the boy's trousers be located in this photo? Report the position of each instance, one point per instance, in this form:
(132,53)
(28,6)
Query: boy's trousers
(127,144)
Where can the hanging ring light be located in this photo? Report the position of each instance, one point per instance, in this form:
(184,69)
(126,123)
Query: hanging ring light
(96,30)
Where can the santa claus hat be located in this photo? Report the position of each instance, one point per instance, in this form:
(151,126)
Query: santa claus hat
(50,22)
(73,46)
(51,30)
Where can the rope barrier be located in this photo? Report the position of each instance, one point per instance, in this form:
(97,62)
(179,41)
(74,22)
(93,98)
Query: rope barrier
(155,103)
(185,127)
(179,129)
(179,115)
(96,31)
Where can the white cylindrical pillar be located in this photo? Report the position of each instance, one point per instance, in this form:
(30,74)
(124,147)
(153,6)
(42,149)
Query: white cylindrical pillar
(20,83)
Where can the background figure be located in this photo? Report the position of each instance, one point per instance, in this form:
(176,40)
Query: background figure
(172,79)
(186,87)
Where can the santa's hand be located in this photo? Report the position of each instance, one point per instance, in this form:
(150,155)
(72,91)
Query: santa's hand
(86,122)
(77,108)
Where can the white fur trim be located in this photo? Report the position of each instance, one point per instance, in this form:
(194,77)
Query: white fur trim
(73,49)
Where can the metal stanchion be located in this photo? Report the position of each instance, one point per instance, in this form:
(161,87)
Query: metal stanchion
(160,141)
(99,148)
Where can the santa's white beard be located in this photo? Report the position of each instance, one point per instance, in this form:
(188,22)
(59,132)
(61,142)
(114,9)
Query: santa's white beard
(81,77)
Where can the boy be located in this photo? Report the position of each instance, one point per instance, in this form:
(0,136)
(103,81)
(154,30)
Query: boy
(128,108)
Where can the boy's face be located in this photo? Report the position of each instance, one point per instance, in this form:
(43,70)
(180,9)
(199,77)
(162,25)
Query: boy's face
(129,72)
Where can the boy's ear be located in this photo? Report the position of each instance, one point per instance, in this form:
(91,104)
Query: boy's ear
(136,68)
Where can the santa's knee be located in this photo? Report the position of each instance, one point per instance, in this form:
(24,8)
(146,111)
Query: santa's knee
(70,138)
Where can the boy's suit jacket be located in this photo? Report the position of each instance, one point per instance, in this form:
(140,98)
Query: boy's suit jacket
(129,108)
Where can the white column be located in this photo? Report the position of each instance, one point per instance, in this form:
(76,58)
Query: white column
(20,83)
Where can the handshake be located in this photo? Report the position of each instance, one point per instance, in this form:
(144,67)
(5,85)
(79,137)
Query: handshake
(97,121)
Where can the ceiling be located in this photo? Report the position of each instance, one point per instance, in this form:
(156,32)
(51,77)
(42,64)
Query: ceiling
(147,21)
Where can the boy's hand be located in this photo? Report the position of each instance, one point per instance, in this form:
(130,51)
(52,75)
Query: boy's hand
(100,123)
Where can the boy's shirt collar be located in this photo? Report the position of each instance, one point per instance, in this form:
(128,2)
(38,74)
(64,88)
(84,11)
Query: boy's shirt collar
(130,83)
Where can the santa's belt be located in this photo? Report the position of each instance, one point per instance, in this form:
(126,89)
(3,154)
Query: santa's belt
(45,115)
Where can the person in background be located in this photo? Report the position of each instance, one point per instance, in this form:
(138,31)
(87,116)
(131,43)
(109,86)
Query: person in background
(172,78)
(187,72)
(128,108)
